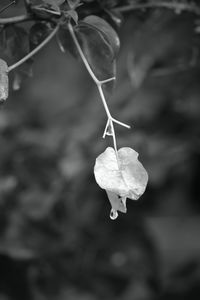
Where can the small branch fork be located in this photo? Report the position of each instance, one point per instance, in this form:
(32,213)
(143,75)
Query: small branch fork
(99,84)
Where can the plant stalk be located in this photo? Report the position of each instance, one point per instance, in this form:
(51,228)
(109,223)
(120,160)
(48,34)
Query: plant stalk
(38,48)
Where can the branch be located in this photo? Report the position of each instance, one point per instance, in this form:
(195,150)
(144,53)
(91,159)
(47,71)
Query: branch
(177,6)
(16,19)
(27,17)
(99,84)
(38,48)
(7,6)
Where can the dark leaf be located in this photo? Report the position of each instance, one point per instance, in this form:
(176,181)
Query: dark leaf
(14,47)
(54,4)
(116,17)
(73,15)
(66,43)
(73,3)
(106,29)
(95,47)
(38,33)
(15,43)
(2,39)
(47,8)
(97,50)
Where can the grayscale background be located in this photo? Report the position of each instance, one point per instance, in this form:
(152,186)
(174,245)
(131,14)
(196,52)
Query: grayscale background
(56,238)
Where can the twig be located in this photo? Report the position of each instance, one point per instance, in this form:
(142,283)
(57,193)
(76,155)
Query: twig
(177,6)
(16,19)
(7,6)
(99,84)
(38,48)
(53,12)
(27,17)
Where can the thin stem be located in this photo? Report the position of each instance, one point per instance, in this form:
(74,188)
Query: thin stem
(82,54)
(38,48)
(7,6)
(99,84)
(104,101)
(106,128)
(112,133)
(121,123)
(107,80)
(27,17)
(114,139)
(177,6)
(53,12)
(16,19)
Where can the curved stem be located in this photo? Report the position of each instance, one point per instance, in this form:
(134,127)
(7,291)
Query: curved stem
(38,48)
(114,139)
(16,19)
(71,30)
(99,84)
(7,6)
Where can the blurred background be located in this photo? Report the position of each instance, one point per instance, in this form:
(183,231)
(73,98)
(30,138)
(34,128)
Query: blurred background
(56,238)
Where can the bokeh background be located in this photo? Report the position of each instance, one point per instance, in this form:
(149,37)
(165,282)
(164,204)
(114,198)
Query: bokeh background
(56,238)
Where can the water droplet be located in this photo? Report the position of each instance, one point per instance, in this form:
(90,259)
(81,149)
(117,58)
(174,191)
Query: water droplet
(113,214)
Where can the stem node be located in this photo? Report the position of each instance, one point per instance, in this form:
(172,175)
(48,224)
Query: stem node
(108,131)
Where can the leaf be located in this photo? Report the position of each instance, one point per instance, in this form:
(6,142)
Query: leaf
(117,202)
(106,29)
(53,4)
(3,80)
(122,177)
(15,43)
(73,3)
(14,47)
(97,50)
(115,16)
(47,8)
(72,14)
(65,42)
(38,32)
